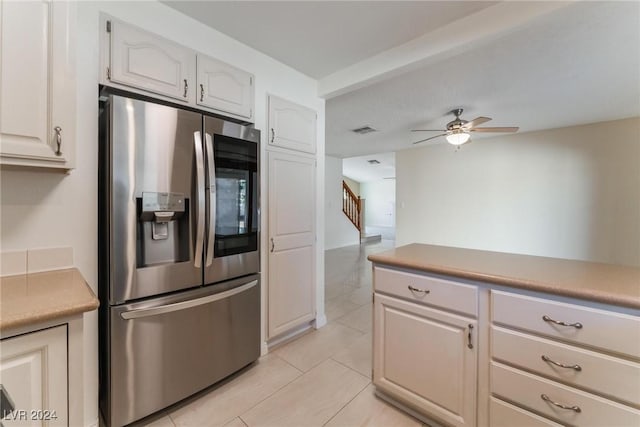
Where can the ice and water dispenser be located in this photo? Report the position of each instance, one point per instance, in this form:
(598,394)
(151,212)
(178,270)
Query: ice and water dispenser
(163,228)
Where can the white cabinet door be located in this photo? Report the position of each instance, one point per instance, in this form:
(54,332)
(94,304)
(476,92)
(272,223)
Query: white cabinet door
(37,101)
(33,371)
(426,358)
(224,88)
(146,61)
(291,241)
(291,125)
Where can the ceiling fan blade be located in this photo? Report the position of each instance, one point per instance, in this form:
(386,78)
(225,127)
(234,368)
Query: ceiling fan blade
(428,130)
(475,122)
(499,129)
(433,137)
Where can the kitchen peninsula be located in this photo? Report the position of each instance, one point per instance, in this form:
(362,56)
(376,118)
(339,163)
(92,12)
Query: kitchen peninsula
(467,337)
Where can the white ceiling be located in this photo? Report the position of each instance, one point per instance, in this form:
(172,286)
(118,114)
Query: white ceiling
(401,65)
(320,37)
(359,169)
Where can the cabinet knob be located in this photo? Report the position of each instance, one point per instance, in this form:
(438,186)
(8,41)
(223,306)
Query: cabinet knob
(58,131)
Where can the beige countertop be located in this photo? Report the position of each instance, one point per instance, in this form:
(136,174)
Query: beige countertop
(605,283)
(38,297)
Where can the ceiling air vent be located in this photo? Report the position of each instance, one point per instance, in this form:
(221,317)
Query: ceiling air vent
(364,129)
(373,162)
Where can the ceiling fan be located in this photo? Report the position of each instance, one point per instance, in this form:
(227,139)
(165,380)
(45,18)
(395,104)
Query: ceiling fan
(457,131)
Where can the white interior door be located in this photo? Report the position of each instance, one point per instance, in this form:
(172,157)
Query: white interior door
(291,241)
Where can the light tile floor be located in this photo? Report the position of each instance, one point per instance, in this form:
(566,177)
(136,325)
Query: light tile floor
(321,378)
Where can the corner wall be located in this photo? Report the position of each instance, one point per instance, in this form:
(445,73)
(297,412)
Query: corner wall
(44,209)
(566,193)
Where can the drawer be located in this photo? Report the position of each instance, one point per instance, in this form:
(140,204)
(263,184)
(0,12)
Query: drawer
(607,330)
(427,290)
(599,373)
(503,414)
(527,390)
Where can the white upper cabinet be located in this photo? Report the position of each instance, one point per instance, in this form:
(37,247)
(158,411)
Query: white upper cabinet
(37,84)
(224,88)
(291,125)
(141,61)
(146,61)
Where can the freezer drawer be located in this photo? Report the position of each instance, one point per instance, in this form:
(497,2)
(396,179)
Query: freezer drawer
(166,349)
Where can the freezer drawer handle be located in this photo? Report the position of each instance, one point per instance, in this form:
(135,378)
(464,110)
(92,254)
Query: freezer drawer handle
(163,309)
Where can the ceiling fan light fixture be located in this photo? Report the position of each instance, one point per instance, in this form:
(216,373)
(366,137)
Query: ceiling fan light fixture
(458,138)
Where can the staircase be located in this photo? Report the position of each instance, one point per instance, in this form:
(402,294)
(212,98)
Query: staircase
(351,206)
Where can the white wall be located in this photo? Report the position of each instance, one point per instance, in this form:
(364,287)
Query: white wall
(339,231)
(353,185)
(567,193)
(380,207)
(44,209)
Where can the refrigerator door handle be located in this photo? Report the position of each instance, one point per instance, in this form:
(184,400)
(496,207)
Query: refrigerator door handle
(168,308)
(197,140)
(211,170)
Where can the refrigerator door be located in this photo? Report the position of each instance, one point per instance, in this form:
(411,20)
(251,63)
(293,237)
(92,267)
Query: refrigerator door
(156,191)
(232,240)
(166,349)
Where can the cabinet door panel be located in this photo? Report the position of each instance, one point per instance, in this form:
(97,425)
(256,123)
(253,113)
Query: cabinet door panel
(291,241)
(291,125)
(29,32)
(145,61)
(422,357)
(224,88)
(33,370)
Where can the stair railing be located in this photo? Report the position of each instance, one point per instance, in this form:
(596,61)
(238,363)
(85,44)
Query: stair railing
(351,206)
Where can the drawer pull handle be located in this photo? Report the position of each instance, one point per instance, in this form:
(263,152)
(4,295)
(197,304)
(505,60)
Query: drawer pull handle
(561,365)
(469,343)
(576,325)
(559,405)
(412,289)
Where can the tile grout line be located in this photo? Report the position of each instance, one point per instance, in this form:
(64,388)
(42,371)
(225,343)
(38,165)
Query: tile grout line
(351,369)
(350,400)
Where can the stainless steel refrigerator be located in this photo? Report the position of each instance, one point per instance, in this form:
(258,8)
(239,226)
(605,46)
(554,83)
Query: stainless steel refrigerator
(178,254)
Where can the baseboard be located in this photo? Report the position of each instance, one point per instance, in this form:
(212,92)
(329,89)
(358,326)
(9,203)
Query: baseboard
(428,421)
(288,336)
(264,348)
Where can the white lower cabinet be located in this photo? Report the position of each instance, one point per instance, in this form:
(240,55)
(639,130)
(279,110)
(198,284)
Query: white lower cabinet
(33,372)
(465,353)
(426,358)
(571,363)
